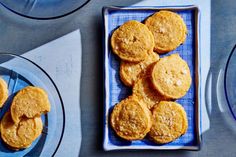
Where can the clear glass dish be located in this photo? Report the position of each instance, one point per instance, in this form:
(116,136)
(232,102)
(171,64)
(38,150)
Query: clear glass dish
(230,82)
(226,90)
(20,72)
(43,9)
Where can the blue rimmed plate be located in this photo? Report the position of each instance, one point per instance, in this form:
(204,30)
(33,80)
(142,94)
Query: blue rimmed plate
(115,91)
(43,9)
(20,72)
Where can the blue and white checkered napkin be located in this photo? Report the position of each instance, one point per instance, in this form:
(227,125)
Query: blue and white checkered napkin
(117,91)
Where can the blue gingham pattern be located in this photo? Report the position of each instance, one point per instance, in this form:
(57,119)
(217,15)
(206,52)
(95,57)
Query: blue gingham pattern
(117,90)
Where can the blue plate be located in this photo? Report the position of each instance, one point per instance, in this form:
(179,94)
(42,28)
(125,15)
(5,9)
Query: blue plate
(43,9)
(115,90)
(20,72)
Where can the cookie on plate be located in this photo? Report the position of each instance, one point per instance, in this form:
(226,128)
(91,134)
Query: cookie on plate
(129,71)
(131,119)
(29,102)
(20,135)
(171,76)
(169,122)
(132,41)
(168,29)
(3,92)
(145,92)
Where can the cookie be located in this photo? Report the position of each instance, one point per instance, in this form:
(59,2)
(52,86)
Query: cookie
(29,102)
(20,135)
(145,92)
(3,92)
(132,41)
(168,29)
(169,122)
(130,119)
(171,76)
(129,71)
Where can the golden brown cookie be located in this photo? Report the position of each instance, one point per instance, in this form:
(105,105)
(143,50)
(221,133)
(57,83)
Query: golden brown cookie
(168,29)
(129,71)
(3,92)
(171,76)
(131,119)
(169,122)
(29,102)
(132,41)
(145,92)
(20,135)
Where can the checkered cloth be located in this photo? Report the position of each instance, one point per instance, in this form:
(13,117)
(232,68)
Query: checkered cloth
(117,91)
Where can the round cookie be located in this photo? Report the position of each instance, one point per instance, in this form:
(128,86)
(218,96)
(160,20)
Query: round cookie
(144,91)
(168,29)
(29,102)
(169,122)
(131,119)
(3,92)
(129,71)
(132,41)
(171,76)
(20,135)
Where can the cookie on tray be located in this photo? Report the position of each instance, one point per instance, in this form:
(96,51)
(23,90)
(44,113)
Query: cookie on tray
(20,135)
(168,29)
(132,41)
(169,122)
(3,92)
(129,71)
(29,102)
(131,119)
(145,92)
(171,76)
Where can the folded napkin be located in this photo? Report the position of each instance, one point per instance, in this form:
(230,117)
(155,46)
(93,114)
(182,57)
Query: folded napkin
(61,59)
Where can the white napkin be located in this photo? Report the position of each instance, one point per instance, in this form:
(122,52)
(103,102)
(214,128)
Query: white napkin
(61,59)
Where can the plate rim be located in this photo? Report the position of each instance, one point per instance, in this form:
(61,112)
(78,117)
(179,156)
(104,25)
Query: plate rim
(225,80)
(45,18)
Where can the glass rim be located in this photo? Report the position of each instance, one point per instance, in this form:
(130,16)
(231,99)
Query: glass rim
(225,82)
(49,17)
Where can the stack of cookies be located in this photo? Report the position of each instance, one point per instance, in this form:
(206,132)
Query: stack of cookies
(22,124)
(156,82)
